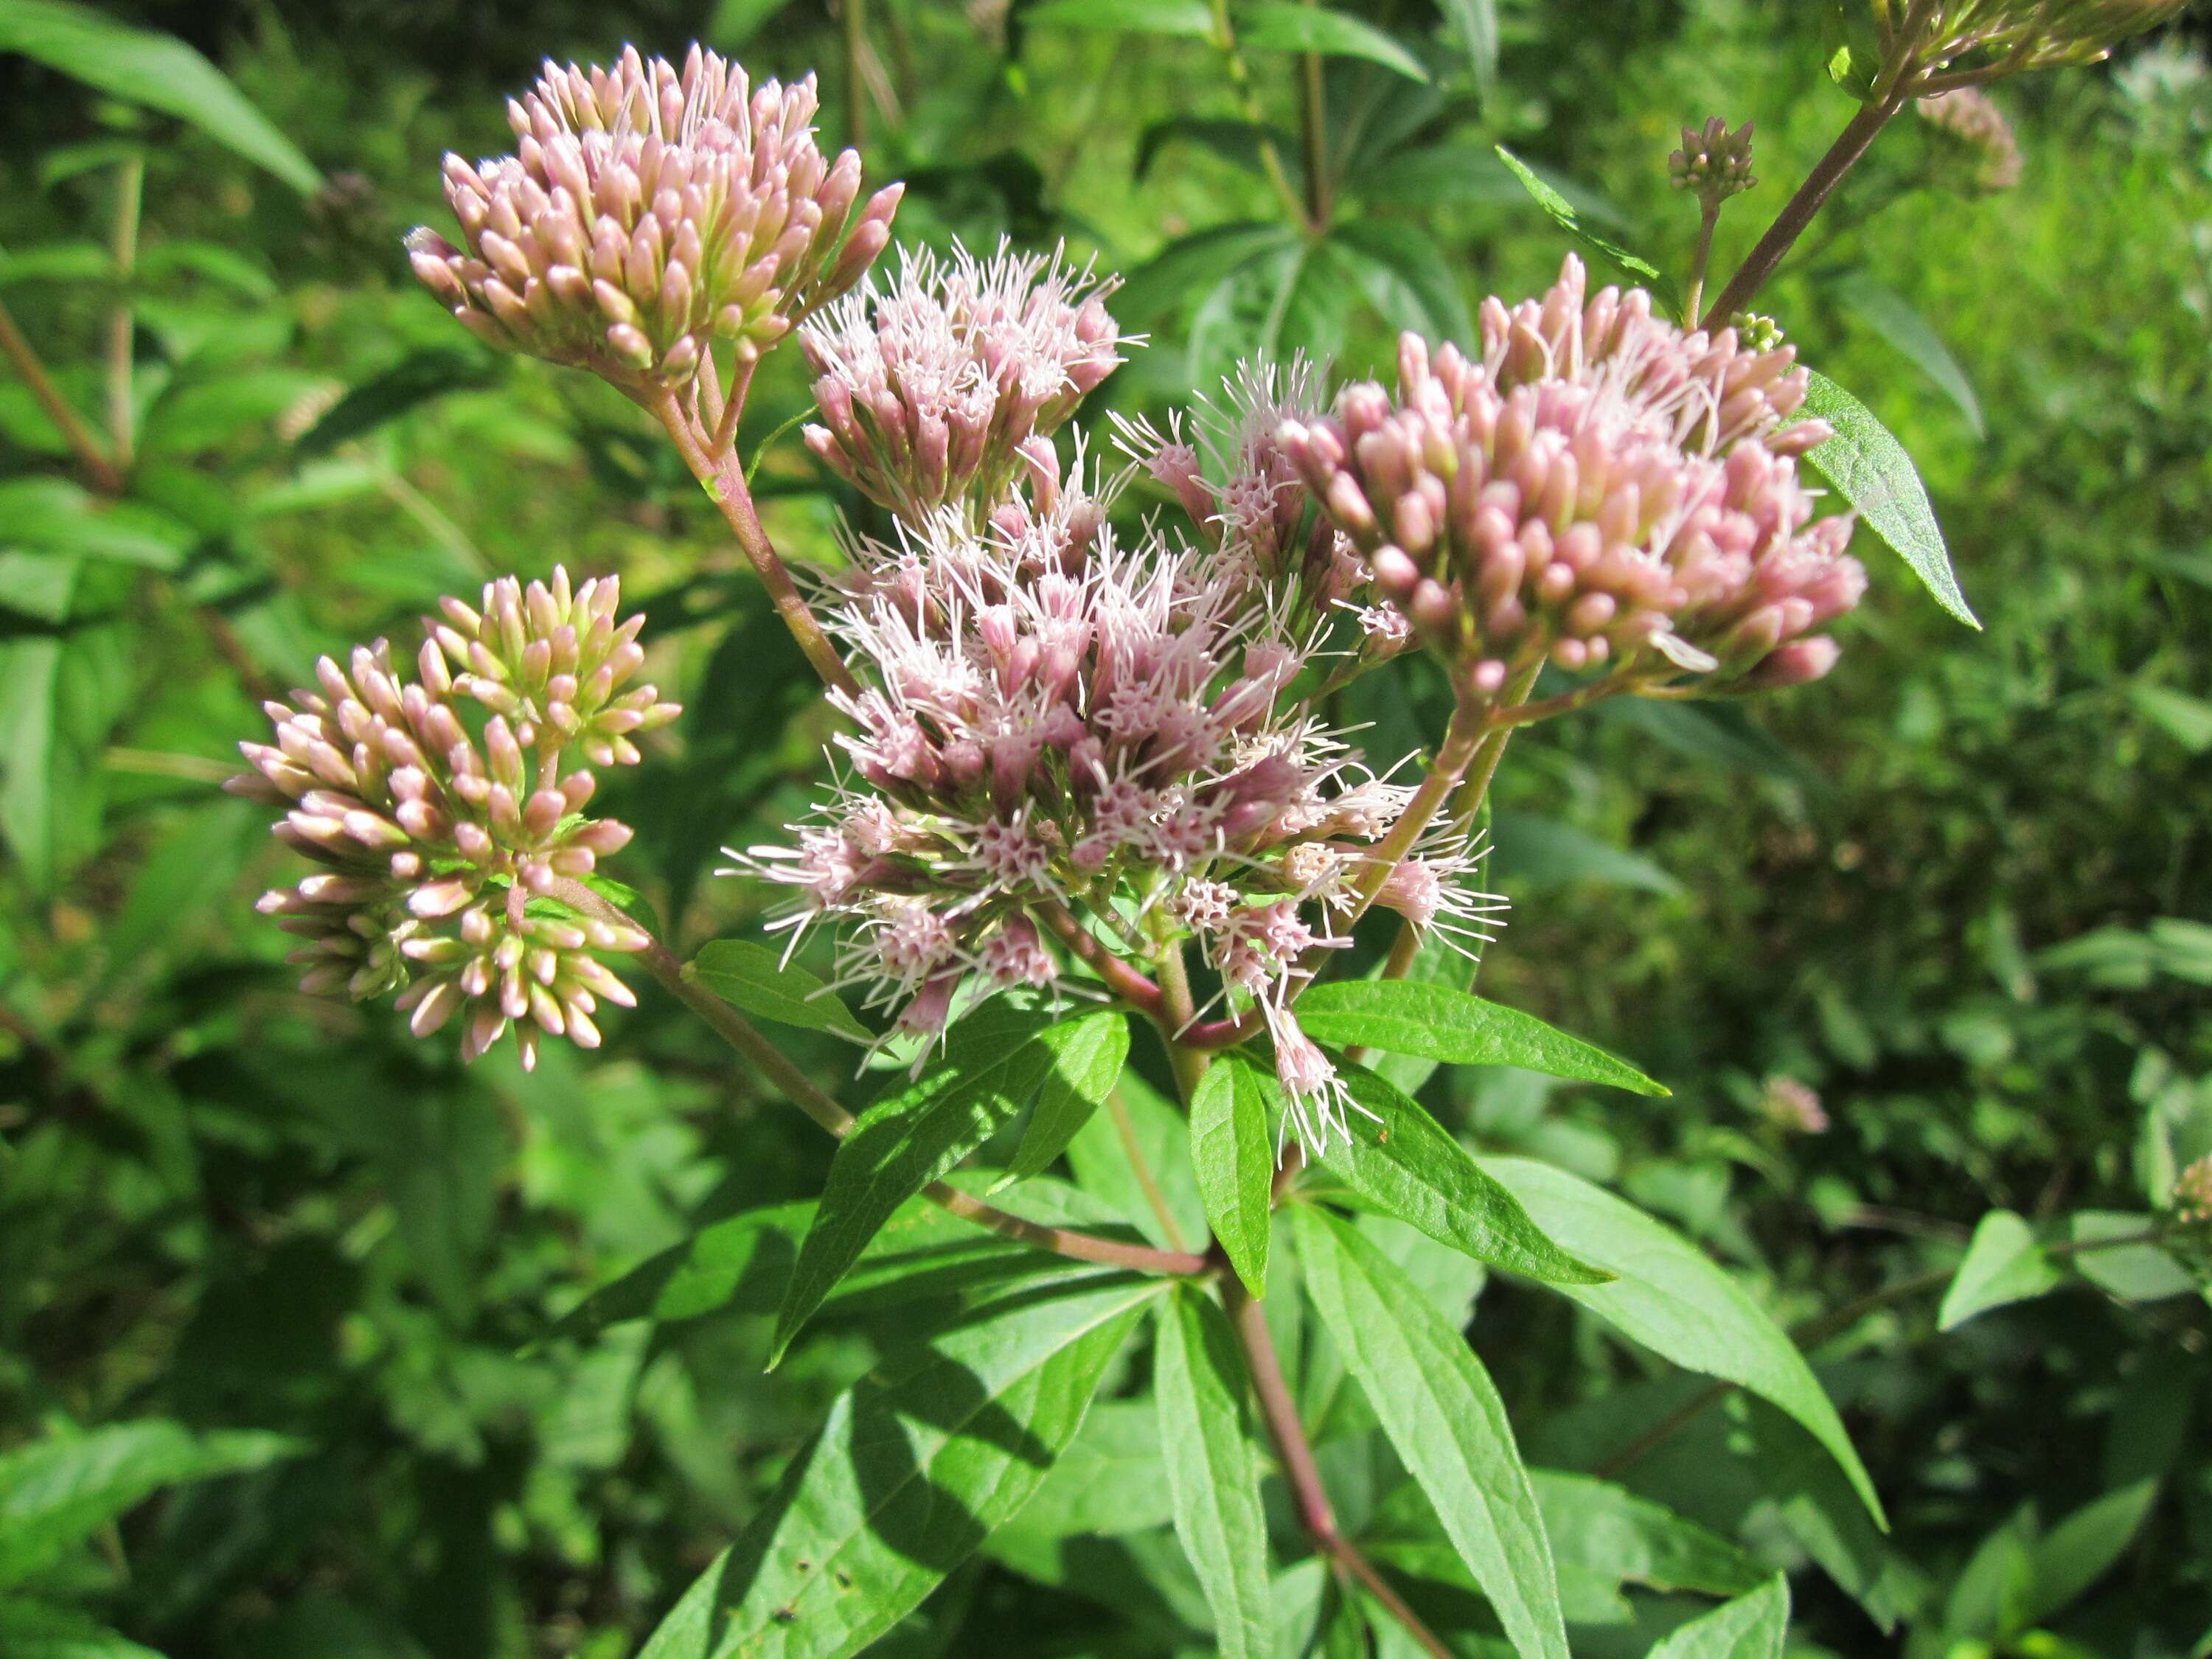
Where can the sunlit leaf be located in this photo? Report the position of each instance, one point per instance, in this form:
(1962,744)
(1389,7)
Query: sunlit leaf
(1210,1443)
(1892,315)
(2003,1264)
(157,71)
(1636,267)
(1188,18)
(1442,1414)
(1233,1155)
(1670,1297)
(1870,470)
(754,979)
(1090,1054)
(912,1470)
(1285,26)
(1750,1627)
(1439,1023)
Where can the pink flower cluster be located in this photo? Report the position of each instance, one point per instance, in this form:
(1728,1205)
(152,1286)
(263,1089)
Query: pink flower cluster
(933,390)
(445,840)
(1598,488)
(1062,727)
(649,211)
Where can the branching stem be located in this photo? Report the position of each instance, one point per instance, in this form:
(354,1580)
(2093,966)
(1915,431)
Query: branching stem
(1281,1413)
(742,1034)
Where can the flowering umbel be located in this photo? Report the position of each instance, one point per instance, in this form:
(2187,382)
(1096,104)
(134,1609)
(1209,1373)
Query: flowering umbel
(444,839)
(649,211)
(933,390)
(1061,724)
(1598,488)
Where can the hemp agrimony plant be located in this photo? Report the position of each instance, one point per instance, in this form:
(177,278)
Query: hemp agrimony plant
(1092,809)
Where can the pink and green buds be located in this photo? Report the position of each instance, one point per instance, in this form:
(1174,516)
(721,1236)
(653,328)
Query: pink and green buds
(648,212)
(445,842)
(1598,489)
(1713,164)
(1975,143)
(935,390)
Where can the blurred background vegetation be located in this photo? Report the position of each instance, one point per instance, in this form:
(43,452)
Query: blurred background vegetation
(289,1280)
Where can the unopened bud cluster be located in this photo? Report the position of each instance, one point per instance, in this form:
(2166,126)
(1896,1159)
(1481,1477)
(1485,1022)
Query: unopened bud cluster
(648,212)
(934,389)
(1970,125)
(1713,164)
(1599,489)
(444,837)
(2032,34)
(1059,724)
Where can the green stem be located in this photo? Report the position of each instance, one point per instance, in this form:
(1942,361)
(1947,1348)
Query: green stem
(122,418)
(724,481)
(1248,100)
(99,469)
(1294,1453)
(1313,126)
(1853,143)
(1709,219)
(742,1034)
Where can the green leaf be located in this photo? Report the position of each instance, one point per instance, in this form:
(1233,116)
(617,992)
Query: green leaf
(2116,1257)
(1536,853)
(1142,1125)
(79,263)
(2003,1264)
(55,516)
(1751,1627)
(58,698)
(190,419)
(1311,302)
(56,1491)
(1405,277)
(1283,26)
(157,71)
(1410,1169)
(1563,215)
(2085,1546)
(1439,961)
(1211,1446)
(912,1469)
(1186,18)
(414,380)
(1112,1478)
(753,978)
(742,1262)
(212,261)
(1605,1529)
(1892,316)
(1474,24)
(1869,468)
(2186,720)
(907,1139)
(1437,1023)
(32,1630)
(1442,1414)
(1092,1051)
(1671,1298)
(1235,1163)
(1198,263)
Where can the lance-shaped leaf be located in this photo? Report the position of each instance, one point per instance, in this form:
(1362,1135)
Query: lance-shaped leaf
(907,1139)
(2003,1264)
(742,1262)
(1210,1444)
(1442,1412)
(157,71)
(1564,215)
(1671,1298)
(1892,315)
(1230,1150)
(56,1491)
(1869,468)
(1188,18)
(1406,1017)
(914,1467)
(1092,1052)
(1410,1167)
(754,979)
(1750,1627)
(1285,26)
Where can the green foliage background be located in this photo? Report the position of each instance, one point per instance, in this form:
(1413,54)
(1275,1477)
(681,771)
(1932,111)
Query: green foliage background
(1961,888)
